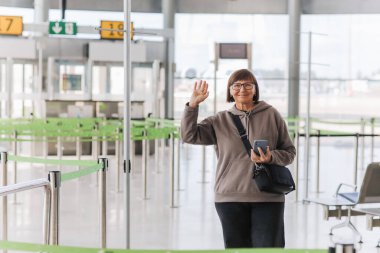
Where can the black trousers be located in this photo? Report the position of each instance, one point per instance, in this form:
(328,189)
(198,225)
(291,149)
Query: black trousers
(252,225)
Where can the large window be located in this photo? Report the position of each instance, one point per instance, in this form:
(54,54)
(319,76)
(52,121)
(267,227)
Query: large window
(195,38)
(347,85)
(350,85)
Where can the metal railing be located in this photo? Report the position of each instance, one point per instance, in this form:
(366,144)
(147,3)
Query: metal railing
(319,134)
(51,200)
(52,187)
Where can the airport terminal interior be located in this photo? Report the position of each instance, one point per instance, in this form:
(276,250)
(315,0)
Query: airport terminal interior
(93,92)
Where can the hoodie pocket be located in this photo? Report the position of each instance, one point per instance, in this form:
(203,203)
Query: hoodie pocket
(236,177)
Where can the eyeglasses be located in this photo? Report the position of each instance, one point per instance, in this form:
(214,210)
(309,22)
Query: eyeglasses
(237,86)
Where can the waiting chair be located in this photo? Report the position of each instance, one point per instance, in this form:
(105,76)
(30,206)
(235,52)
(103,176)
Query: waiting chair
(371,220)
(372,190)
(344,202)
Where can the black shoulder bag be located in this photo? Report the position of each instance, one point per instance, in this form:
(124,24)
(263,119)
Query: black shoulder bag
(268,177)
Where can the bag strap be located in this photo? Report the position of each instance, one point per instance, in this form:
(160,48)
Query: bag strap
(242,133)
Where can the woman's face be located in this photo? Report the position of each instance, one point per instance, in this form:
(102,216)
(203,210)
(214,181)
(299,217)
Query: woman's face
(243,91)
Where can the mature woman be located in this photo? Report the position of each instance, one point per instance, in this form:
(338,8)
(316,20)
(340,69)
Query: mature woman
(249,217)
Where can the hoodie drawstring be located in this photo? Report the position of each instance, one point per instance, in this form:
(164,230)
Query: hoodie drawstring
(246,117)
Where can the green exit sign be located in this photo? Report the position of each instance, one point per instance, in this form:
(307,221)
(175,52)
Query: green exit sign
(63,28)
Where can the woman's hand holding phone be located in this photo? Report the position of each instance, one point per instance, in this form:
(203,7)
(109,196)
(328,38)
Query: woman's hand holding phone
(261,158)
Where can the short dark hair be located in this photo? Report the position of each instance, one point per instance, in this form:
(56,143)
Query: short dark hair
(239,75)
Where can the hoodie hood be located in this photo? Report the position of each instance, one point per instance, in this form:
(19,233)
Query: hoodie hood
(245,116)
(259,107)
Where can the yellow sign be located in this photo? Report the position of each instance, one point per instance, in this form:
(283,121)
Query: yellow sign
(11,25)
(113,30)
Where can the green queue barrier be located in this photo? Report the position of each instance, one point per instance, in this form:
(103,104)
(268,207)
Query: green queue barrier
(54,129)
(31,247)
(80,173)
(88,129)
(89,166)
(51,161)
(48,130)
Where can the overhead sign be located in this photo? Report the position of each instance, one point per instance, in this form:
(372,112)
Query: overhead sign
(11,25)
(113,30)
(63,28)
(233,51)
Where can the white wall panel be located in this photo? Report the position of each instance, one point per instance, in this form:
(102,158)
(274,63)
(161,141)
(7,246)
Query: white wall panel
(18,48)
(113,52)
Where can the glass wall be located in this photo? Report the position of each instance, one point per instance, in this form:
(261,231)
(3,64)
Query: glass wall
(196,35)
(23,88)
(349,86)
(345,71)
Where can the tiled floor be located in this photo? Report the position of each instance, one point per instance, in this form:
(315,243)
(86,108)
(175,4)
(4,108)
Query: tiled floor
(193,224)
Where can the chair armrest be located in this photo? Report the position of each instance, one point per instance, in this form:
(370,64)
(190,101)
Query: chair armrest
(340,186)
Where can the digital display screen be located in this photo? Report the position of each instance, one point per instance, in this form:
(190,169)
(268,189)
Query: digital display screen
(233,51)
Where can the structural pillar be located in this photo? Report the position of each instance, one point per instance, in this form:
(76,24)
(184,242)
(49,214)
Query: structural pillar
(41,11)
(294,11)
(168,10)
(41,15)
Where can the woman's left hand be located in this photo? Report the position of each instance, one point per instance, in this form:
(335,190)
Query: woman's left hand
(262,158)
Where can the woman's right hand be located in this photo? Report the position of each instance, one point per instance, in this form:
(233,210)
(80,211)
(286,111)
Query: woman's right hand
(200,93)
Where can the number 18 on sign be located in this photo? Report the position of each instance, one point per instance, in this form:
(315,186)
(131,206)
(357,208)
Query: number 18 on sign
(113,30)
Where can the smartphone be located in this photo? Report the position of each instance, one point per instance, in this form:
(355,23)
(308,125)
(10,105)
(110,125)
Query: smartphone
(260,144)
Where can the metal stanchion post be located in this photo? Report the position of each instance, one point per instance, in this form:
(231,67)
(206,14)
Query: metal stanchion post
(296,165)
(45,144)
(179,164)
(45,147)
(104,143)
(95,142)
(47,212)
(103,201)
(356,159)
(78,145)
(156,155)
(186,151)
(318,157)
(95,146)
(362,128)
(372,138)
(171,161)
(117,158)
(59,145)
(308,124)
(144,163)
(133,155)
(4,179)
(15,152)
(161,154)
(203,180)
(55,184)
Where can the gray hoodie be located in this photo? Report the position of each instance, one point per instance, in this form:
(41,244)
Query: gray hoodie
(233,179)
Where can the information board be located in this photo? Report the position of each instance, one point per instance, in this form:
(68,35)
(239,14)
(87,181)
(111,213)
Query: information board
(113,30)
(233,51)
(11,25)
